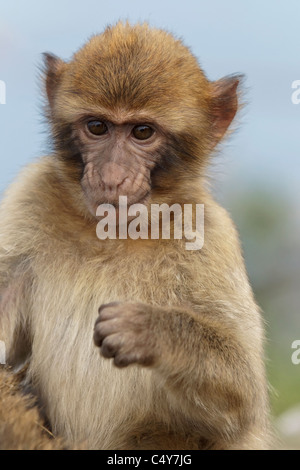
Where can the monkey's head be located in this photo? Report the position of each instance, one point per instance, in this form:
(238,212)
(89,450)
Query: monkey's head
(134,115)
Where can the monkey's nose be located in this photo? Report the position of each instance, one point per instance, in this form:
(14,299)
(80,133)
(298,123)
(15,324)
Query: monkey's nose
(114,178)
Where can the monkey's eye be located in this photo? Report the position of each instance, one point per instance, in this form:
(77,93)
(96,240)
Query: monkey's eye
(97,127)
(142,132)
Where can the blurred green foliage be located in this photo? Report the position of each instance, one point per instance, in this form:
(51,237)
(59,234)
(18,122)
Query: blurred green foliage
(268,225)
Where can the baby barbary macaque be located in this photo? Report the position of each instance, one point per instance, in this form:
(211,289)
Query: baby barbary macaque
(132,344)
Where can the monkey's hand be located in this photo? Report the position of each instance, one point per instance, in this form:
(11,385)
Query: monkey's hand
(123,332)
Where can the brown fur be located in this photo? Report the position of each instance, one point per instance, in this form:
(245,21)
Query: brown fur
(185,321)
(21,427)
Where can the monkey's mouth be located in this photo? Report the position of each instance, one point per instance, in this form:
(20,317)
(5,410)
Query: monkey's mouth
(121,209)
(125,209)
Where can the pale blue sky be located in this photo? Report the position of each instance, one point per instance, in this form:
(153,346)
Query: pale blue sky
(258,38)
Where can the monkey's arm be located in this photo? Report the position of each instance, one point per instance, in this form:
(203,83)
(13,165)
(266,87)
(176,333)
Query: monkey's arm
(17,240)
(15,285)
(208,354)
(197,357)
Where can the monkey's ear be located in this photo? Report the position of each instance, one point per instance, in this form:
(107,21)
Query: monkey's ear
(224,105)
(53,69)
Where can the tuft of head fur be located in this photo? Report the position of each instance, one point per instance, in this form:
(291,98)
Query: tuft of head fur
(131,69)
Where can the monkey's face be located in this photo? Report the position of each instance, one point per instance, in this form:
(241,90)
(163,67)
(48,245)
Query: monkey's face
(118,158)
(134,113)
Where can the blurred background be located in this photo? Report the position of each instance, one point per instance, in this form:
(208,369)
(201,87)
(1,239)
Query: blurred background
(256,174)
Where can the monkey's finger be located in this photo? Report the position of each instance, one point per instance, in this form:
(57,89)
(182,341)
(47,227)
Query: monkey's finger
(124,360)
(111,345)
(110,304)
(108,310)
(105,328)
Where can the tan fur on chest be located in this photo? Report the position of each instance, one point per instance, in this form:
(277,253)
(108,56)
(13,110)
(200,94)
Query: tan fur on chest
(75,382)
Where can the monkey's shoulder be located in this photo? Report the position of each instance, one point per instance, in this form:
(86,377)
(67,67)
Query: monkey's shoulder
(39,189)
(29,205)
(30,186)
(220,231)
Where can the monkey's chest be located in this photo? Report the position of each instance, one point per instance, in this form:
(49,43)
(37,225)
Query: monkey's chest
(85,396)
